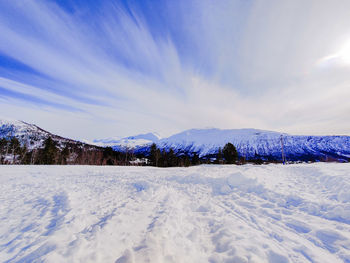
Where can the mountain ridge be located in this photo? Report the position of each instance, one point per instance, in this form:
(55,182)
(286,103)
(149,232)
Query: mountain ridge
(256,143)
(30,134)
(250,143)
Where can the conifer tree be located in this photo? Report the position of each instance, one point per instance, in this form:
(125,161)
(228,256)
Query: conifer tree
(219,156)
(158,156)
(15,148)
(50,152)
(64,155)
(152,156)
(3,147)
(171,158)
(230,153)
(155,155)
(108,155)
(195,159)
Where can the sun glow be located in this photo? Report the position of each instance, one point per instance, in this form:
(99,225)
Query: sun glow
(342,57)
(344,53)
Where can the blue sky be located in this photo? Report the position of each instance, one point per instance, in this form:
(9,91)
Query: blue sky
(91,69)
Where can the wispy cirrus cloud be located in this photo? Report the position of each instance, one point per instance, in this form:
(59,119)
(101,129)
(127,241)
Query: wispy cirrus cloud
(135,66)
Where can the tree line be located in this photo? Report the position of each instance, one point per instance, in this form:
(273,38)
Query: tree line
(70,152)
(54,152)
(168,158)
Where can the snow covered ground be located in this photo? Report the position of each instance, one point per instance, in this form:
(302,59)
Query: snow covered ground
(270,213)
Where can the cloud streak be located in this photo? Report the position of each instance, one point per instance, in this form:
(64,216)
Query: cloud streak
(139,66)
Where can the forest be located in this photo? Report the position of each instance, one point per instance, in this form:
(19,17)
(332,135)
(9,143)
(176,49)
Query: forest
(53,152)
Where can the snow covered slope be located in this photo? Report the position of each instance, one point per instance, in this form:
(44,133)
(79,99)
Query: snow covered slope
(130,142)
(208,141)
(29,134)
(253,143)
(270,213)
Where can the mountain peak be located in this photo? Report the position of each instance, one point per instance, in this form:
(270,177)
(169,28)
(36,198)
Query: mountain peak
(130,141)
(151,136)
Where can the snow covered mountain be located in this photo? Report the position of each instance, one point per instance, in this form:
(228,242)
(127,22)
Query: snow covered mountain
(131,142)
(29,134)
(250,143)
(253,143)
(208,141)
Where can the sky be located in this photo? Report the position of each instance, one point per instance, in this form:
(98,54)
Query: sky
(89,69)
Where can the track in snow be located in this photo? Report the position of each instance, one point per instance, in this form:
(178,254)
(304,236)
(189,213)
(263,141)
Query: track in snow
(272,213)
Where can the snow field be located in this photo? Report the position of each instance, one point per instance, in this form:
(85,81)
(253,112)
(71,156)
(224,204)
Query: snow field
(269,213)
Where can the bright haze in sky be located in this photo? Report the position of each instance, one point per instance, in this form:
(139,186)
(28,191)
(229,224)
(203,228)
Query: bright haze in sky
(94,68)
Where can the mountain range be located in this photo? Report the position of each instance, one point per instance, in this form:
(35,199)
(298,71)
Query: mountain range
(250,143)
